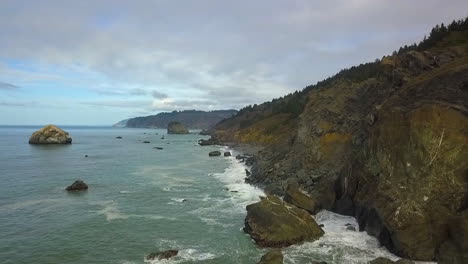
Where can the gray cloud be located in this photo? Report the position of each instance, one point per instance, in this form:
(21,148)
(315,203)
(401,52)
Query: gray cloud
(201,52)
(159,95)
(8,86)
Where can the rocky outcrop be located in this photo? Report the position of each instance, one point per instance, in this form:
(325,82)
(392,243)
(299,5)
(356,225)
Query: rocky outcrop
(208,142)
(77,186)
(214,153)
(163,255)
(50,134)
(176,128)
(295,196)
(274,223)
(272,257)
(381,260)
(388,148)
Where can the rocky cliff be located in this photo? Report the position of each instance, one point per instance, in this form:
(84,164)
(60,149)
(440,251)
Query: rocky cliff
(386,142)
(191,118)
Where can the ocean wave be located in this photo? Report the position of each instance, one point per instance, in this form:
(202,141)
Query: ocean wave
(233,178)
(338,244)
(185,255)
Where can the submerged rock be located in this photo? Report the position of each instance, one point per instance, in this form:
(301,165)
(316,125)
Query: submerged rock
(163,255)
(176,128)
(146,141)
(118,137)
(274,223)
(295,196)
(50,134)
(77,186)
(158,148)
(214,153)
(273,257)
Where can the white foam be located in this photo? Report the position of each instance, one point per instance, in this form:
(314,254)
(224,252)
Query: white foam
(111,210)
(185,255)
(233,177)
(338,244)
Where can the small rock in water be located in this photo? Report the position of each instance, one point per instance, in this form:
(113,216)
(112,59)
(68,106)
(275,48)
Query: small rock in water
(247,172)
(162,137)
(273,257)
(162,255)
(227,154)
(234,191)
(322,225)
(351,228)
(214,153)
(184,200)
(77,186)
(119,137)
(146,141)
(226,189)
(85,156)
(158,148)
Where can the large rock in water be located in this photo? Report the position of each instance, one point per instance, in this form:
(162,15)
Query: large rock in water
(50,134)
(176,128)
(274,223)
(163,255)
(272,257)
(296,196)
(77,186)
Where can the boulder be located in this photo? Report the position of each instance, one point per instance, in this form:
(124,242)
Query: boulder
(455,249)
(176,128)
(272,257)
(274,223)
(208,142)
(77,186)
(227,154)
(382,260)
(214,153)
(50,134)
(296,196)
(163,255)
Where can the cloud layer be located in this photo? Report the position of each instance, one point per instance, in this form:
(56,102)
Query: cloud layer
(206,54)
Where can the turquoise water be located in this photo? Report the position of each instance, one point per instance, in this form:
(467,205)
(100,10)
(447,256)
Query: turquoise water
(140,200)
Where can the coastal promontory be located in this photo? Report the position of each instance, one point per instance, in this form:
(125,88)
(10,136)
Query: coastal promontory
(176,128)
(50,134)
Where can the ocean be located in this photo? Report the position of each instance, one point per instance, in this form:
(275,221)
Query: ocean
(140,200)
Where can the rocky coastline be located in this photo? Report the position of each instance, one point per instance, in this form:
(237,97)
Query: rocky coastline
(388,149)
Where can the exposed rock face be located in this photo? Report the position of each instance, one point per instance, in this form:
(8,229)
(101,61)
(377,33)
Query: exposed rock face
(274,223)
(176,128)
(295,196)
(381,260)
(272,257)
(214,153)
(162,255)
(50,134)
(208,142)
(396,160)
(77,186)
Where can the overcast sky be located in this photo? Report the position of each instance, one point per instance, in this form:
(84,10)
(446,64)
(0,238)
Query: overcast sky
(96,62)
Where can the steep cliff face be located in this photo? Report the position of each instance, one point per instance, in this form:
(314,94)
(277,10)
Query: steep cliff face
(390,149)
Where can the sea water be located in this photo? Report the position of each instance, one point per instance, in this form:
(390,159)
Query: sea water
(140,200)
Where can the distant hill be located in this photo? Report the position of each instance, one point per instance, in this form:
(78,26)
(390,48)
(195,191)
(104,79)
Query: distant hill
(192,119)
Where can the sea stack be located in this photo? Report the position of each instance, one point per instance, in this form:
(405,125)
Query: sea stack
(176,128)
(50,134)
